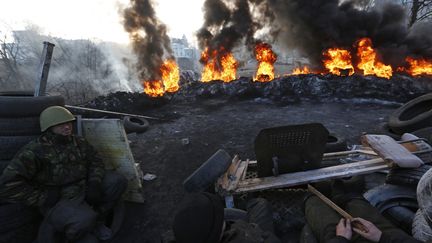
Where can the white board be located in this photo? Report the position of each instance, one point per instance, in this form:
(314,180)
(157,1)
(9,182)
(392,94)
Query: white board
(109,138)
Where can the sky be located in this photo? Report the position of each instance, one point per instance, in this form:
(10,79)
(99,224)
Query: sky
(95,19)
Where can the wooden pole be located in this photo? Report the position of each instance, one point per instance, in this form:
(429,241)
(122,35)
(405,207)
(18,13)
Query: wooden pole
(339,210)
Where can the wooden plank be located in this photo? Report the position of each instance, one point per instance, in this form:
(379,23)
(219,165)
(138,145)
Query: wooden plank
(338,209)
(109,139)
(305,177)
(392,152)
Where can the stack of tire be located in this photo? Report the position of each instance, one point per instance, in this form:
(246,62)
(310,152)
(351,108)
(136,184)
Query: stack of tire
(19,124)
(413,117)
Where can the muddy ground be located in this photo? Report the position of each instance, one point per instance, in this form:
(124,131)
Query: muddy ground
(173,149)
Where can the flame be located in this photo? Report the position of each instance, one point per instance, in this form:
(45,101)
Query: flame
(338,61)
(419,66)
(298,71)
(154,88)
(369,62)
(170,77)
(226,71)
(266,58)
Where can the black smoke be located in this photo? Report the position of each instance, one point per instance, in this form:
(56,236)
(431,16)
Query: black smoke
(149,38)
(228,24)
(313,26)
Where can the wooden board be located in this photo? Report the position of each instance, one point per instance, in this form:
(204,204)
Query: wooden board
(305,177)
(109,139)
(391,151)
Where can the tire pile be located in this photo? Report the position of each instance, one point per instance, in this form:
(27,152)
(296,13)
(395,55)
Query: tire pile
(19,124)
(397,199)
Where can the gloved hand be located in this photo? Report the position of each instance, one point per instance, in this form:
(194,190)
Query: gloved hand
(94,192)
(52,197)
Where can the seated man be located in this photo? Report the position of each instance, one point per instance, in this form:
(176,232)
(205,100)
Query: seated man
(65,178)
(201,220)
(328,226)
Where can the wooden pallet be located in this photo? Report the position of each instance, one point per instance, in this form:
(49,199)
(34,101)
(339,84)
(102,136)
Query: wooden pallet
(234,180)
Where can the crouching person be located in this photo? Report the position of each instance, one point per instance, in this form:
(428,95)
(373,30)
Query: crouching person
(65,178)
(201,220)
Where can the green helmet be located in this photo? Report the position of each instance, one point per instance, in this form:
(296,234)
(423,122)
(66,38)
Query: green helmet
(54,115)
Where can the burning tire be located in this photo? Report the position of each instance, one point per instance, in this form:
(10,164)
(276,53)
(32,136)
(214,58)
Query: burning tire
(335,143)
(135,124)
(413,115)
(207,174)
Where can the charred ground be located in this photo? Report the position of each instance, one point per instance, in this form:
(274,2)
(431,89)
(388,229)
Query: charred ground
(202,118)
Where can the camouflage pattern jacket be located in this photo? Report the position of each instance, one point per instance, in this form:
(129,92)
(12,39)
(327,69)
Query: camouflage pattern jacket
(51,161)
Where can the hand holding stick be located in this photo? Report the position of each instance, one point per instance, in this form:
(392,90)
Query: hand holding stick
(343,213)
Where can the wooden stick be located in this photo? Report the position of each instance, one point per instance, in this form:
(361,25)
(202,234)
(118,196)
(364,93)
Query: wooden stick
(339,210)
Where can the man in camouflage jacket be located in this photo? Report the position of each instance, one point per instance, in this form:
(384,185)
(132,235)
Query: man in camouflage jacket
(64,177)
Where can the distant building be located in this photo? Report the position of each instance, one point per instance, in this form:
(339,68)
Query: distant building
(185,54)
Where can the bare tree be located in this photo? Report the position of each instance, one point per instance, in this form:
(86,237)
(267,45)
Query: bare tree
(9,55)
(419,10)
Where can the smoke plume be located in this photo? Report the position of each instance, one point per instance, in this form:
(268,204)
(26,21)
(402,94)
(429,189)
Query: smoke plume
(227,24)
(149,38)
(315,25)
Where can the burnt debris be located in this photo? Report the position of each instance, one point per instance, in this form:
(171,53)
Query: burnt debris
(283,90)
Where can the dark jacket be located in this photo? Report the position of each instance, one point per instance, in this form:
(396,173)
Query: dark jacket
(243,232)
(50,161)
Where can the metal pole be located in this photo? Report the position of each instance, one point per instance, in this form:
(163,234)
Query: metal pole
(41,82)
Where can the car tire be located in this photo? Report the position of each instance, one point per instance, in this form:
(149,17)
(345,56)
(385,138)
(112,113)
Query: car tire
(335,143)
(405,176)
(24,104)
(19,126)
(135,124)
(413,115)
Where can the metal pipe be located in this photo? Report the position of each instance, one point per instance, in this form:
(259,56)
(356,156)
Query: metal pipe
(41,82)
(112,112)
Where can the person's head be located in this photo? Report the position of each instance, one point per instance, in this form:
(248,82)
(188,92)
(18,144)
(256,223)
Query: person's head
(56,119)
(200,219)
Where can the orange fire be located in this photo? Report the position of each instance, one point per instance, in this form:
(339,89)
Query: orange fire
(419,66)
(170,77)
(226,71)
(338,61)
(154,88)
(369,62)
(304,70)
(266,58)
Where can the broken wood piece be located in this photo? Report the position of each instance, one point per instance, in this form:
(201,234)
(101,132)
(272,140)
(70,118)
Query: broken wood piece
(230,179)
(391,151)
(338,209)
